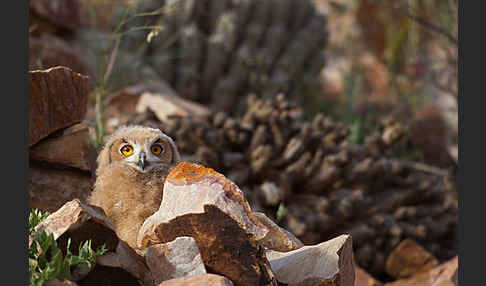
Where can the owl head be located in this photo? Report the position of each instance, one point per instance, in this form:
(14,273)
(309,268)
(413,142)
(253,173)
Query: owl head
(139,147)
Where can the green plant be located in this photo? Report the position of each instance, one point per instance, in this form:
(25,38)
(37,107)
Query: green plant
(108,74)
(35,217)
(46,260)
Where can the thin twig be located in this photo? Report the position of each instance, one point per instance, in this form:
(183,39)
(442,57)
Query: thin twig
(424,168)
(112,60)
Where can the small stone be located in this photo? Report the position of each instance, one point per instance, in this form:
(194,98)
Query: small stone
(272,195)
(363,278)
(126,258)
(409,258)
(175,259)
(392,134)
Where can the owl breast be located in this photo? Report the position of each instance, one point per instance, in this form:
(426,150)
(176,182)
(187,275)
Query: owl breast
(128,197)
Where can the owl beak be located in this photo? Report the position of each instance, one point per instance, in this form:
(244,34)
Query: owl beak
(142,162)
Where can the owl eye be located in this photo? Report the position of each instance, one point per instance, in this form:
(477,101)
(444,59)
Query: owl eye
(126,150)
(156,149)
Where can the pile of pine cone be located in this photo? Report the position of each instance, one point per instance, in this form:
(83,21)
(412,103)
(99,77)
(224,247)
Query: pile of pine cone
(319,183)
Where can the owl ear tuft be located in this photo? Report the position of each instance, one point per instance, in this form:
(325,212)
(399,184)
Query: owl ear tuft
(176,157)
(104,157)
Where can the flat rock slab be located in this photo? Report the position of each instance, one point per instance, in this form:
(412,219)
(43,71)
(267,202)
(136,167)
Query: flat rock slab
(409,258)
(166,105)
(199,280)
(277,238)
(70,216)
(443,275)
(175,259)
(57,99)
(327,263)
(203,204)
(68,149)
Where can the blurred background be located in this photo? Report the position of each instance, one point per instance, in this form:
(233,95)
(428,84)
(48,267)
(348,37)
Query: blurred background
(333,116)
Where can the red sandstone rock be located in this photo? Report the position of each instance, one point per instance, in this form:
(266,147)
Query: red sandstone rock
(50,188)
(57,99)
(68,149)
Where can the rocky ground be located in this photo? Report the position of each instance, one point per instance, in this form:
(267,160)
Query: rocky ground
(304,204)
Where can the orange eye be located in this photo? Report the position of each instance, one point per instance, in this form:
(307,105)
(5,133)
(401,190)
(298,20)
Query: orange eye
(126,150)
(156,149)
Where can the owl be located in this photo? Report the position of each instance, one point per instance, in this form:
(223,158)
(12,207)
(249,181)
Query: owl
(132,168)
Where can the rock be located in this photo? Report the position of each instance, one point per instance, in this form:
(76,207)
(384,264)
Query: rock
(176,259)
(70,148)
(127,259)
(50,188)
(443,275)
(199,280)
(57,99)
(63,13)
(71,216)
(409,258)
(277,238)
(49,51)
(327,263)
(392,133)
(166,105)
(203,204)
(363,278)
(272,195)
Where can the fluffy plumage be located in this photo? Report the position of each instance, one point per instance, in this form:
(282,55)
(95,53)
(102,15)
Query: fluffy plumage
(129,188)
